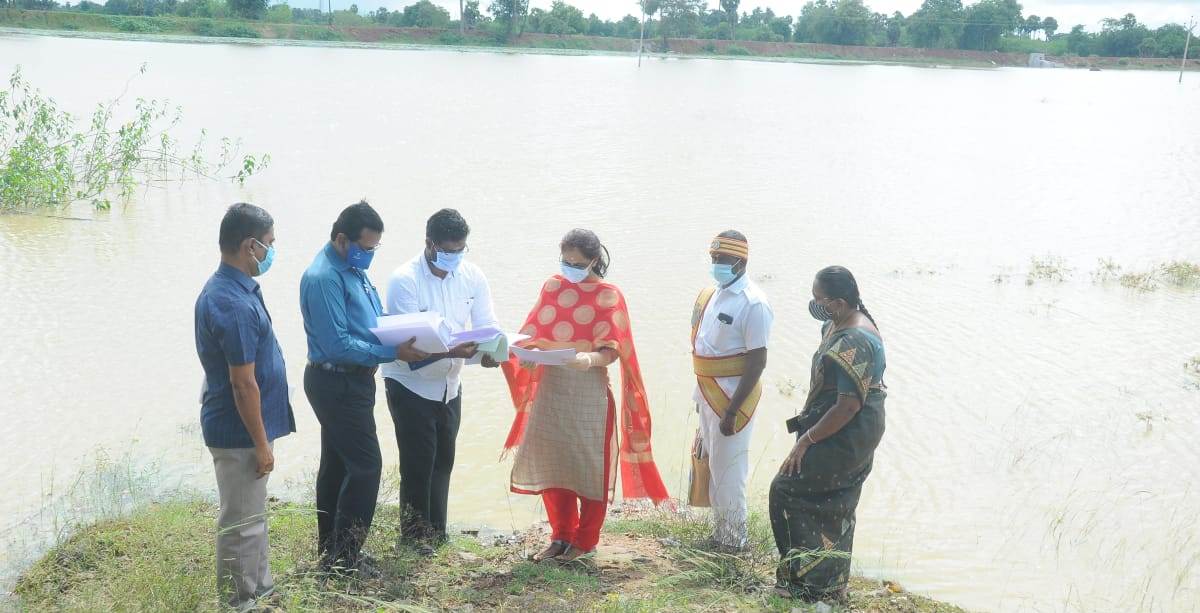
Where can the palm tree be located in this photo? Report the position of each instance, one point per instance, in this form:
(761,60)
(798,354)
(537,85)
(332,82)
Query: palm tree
(730,7)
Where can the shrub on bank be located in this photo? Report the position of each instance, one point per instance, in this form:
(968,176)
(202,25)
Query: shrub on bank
(134,25)
(237,30)
(208,27)
(451,38)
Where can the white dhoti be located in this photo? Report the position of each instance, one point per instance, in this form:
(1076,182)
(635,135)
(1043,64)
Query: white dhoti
(729,467)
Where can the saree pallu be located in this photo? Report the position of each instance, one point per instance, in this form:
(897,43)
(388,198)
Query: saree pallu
(813,511)
(589,317)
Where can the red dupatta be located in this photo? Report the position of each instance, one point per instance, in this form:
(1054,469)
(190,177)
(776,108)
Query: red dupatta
(588,317)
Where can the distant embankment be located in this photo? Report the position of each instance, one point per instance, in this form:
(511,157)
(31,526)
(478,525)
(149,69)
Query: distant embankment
(243,29)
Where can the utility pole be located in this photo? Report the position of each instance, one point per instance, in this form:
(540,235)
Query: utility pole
(642,36)
(1186,45)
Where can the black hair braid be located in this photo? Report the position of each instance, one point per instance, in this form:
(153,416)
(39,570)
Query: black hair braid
(863,308)
(838,282)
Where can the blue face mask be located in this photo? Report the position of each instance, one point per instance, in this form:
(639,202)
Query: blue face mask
(574,275)
(358,257)
(447,262)
(265,264)
(724,274)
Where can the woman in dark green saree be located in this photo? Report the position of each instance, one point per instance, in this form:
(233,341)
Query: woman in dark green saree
(815,494)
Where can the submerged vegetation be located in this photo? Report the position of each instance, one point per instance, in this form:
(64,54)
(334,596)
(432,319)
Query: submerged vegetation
(1049,268)
(1179,274)
(49,161)
(159,559)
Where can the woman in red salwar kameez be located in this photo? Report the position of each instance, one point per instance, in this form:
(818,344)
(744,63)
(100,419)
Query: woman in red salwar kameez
(566,426)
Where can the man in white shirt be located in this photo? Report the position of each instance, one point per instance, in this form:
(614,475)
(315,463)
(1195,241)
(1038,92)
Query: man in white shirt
(425,397)
(731,323)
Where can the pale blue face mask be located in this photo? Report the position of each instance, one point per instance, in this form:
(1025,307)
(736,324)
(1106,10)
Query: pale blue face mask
(447,262)
(572,274)
(723,273)
(264,264)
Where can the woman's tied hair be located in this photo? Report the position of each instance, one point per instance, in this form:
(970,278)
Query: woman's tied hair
(590,246)
(838,283)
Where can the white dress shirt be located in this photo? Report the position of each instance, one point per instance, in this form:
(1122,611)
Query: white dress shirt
(463,299)
(749,316)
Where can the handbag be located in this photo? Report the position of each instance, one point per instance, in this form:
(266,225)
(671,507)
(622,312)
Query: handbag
(700,475)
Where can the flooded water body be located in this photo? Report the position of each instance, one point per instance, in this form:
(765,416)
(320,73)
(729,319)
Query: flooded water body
(1041,447)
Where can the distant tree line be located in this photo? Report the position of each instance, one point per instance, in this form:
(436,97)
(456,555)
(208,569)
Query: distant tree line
(986,25)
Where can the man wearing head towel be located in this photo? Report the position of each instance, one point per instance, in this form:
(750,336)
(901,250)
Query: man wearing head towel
(731,323)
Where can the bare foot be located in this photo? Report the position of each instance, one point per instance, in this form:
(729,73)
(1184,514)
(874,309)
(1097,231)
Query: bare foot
(556,549)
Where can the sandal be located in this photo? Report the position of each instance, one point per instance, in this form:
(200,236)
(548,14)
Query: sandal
(556,548)
(578,557)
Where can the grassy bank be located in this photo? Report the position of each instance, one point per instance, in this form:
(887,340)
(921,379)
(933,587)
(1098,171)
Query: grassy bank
(238,29)
(160,559)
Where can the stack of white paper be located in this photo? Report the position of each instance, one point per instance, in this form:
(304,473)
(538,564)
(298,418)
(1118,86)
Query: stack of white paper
(431,331)
(550,357)
(433,335)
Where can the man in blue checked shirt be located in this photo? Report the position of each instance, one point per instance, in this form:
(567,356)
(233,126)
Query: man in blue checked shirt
(340,305)
(245,403)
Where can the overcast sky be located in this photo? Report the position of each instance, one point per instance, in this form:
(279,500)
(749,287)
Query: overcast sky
(1067,12)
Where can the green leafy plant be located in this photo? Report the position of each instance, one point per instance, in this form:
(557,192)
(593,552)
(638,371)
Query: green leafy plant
(48,161)
(135,25)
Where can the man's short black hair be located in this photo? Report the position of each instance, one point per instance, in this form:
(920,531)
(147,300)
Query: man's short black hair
(354,219)
(243,221)
(446,225)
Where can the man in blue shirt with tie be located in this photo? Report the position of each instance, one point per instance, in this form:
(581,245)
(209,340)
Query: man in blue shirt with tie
(340,305)
(245,403)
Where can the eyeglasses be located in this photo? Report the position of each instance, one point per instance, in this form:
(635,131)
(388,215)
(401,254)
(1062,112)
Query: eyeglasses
(464,250)
(577,266)
(372,249)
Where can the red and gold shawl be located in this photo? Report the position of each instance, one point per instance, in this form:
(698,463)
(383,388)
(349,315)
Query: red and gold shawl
(588,317)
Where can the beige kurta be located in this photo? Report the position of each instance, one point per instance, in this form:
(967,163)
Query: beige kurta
(564,444)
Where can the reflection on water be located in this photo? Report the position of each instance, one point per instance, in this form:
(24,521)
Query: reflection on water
(1040,449)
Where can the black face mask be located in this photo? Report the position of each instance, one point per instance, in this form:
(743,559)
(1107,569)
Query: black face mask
(819,311)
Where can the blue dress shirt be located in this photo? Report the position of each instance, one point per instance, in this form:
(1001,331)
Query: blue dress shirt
(340,306)
(233,328)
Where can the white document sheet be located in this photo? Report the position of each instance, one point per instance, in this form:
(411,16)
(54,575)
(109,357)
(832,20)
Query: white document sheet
(431,331)
(553,357)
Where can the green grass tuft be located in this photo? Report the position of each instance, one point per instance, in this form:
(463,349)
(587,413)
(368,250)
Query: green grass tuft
(160,559)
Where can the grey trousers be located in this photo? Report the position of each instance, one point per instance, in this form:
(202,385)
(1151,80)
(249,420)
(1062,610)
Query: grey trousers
(243,569)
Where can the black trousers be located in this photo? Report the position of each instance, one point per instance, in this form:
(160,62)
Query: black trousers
(348,479)
(425,432)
